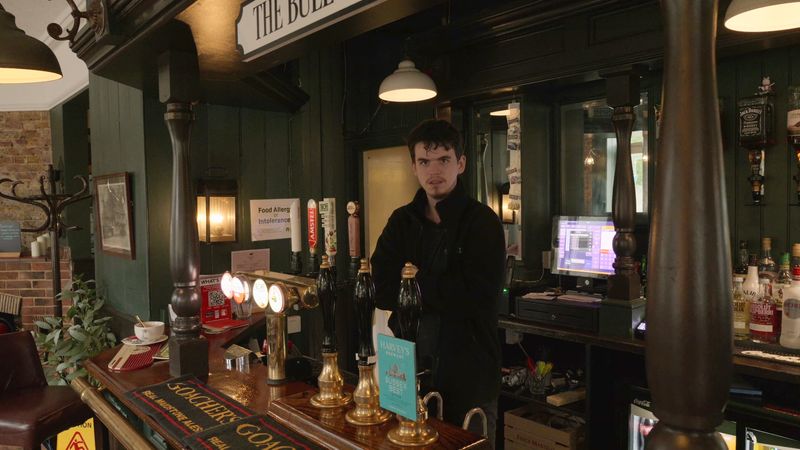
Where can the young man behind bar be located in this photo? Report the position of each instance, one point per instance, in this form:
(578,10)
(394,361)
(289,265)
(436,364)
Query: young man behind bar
(459,247)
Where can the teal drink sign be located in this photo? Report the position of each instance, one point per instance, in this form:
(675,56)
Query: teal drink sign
(397,379)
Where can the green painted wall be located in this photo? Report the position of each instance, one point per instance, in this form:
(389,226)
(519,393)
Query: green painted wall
(71,154)
(118,145)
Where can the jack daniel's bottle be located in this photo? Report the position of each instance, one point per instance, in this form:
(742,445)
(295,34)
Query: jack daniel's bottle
(756,131)
(409,304)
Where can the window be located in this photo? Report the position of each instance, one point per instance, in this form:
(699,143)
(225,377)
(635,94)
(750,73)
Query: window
(588,157)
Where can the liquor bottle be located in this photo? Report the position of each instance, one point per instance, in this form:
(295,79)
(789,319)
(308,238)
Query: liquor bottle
(790,321)
(364,302)
(409,304)
(741,311)
(750,285)
(766,265)
(762,314)
(756,131)
(793,129)
(783,283)
(741,265)
(326,291)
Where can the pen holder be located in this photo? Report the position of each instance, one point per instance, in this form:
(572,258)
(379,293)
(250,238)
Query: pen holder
(539,384)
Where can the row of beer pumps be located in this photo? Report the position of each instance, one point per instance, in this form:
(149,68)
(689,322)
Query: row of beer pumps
(277,293)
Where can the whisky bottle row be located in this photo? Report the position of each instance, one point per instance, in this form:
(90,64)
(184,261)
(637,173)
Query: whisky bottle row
(766,299)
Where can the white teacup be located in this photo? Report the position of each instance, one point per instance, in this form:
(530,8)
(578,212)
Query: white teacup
(151,331)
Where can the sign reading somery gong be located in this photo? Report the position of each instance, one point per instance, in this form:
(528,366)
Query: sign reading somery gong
(265,25)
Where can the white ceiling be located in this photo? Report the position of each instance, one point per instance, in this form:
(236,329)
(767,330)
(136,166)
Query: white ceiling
(33,16)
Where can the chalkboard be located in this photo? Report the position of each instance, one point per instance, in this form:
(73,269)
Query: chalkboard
(9,239)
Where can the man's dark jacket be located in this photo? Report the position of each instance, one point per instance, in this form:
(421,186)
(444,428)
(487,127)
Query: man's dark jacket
(460,263)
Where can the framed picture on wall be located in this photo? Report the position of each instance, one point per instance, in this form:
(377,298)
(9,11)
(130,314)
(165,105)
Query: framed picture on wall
(112,203)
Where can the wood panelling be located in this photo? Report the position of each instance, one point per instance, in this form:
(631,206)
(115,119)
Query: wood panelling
(118,140)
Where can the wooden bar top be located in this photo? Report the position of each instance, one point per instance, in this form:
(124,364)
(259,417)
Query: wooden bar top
(251,390)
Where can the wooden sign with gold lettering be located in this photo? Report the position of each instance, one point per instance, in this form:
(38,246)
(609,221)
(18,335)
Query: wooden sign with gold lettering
(185,406)
(258,432)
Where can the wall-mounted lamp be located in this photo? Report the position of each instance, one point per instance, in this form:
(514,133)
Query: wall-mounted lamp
(762,15)
(500,113)
(24,59)
(216,210)
(507,215)
(407,84)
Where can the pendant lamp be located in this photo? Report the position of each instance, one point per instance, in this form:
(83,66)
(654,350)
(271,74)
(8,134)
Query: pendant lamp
(24,59)
(407,84)
(762,15)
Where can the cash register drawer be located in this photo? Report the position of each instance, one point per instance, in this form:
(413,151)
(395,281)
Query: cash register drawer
(561,313)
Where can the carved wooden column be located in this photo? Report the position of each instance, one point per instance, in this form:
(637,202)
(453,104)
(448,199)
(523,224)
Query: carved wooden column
(623,308)
(178,75)
(689,340)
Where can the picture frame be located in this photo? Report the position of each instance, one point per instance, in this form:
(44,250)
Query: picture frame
(114,215)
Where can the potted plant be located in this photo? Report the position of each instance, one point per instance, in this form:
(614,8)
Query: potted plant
(65,344)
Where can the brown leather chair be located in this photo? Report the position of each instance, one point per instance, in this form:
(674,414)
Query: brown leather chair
(30,410)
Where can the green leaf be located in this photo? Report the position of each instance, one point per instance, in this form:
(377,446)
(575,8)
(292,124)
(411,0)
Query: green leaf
(77,333)
(42,325)
(56,335)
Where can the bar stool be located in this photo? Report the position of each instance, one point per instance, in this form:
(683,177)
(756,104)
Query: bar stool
(30,410)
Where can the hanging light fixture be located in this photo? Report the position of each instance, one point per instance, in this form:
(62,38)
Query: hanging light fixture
(24,59)
(407,84)
(762,15)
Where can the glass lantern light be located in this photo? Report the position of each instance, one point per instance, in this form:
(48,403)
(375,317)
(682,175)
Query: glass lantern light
(216,211)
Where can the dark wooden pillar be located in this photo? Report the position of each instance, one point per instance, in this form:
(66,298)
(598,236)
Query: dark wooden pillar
(622,88)
(178,88)
(689,340)
(623,308)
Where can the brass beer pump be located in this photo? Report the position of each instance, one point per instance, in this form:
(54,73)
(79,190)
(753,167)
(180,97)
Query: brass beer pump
(367,395)
(330,381)
(409,310)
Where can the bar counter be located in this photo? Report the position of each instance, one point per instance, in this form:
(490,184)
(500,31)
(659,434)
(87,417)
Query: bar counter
(328,428)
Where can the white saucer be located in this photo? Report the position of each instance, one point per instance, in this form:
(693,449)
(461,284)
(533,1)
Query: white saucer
(133,340)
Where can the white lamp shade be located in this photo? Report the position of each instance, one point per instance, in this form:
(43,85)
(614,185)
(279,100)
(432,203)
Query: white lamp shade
(762,15)
(407,84)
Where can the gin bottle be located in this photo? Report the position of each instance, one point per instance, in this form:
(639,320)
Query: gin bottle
(790,320)
(741,311)
(762,314)
(766,266)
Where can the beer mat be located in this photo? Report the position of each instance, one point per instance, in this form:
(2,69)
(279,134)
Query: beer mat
(131,357)
(257,432)
(184,406)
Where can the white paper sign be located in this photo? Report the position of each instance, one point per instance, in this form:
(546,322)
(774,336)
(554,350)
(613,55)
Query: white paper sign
(269,219)
(264,25)
(250,260)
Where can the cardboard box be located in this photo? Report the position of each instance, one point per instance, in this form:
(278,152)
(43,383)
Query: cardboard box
(531,428)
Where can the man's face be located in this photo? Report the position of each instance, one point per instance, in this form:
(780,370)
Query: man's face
(437,169)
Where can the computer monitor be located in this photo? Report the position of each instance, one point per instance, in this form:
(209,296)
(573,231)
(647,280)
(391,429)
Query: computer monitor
(582,246)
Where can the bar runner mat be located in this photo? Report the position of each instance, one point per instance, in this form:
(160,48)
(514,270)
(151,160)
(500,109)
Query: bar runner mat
(257,432)
(770,352)
(185,406)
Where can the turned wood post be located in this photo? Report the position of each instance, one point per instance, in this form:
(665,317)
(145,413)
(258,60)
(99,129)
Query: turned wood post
(689,339)
(622,88)
(178,87)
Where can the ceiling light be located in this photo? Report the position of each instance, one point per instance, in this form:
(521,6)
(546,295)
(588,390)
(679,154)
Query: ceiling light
(24,59)
(407,84)
(762,15)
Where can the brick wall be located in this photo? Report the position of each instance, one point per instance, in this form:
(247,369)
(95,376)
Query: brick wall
(24,155)
(25,152)
(31,278)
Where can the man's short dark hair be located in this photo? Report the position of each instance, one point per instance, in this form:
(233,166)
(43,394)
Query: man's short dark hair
(435,133)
